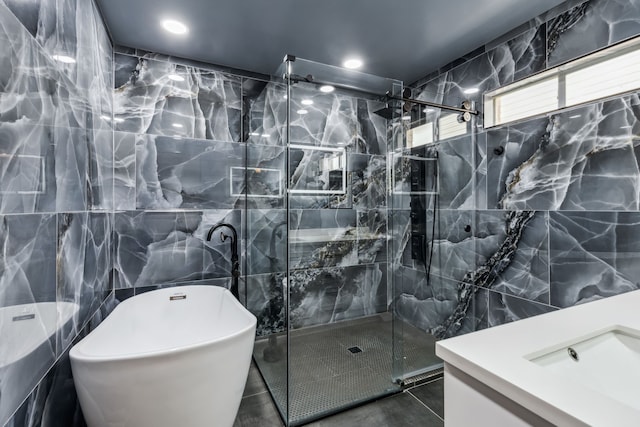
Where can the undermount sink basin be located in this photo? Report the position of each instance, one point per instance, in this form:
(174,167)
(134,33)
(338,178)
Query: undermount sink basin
(607,361)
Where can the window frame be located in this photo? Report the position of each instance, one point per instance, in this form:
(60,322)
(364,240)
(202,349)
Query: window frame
(561,72)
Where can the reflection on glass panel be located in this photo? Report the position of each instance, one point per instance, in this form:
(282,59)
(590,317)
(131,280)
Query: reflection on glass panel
(30,169)
(420,135)
(415,175)
(317,170)
(449,126)
(269,178)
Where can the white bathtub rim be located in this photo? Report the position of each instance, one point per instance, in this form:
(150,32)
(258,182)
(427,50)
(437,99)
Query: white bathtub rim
(77,354)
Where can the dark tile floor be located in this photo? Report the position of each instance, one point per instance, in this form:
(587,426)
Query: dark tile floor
(422,405)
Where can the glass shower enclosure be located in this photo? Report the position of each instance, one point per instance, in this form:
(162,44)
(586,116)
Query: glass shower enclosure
(331,202)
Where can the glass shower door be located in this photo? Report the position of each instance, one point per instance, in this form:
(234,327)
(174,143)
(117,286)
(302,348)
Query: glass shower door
(266,225)
(341,329)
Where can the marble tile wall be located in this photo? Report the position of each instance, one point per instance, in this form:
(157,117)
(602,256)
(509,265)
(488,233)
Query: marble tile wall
(338,242)
(183,136)
(56,196)
(553,213)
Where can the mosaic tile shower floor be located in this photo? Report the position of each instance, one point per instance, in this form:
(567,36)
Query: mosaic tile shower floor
(325,375)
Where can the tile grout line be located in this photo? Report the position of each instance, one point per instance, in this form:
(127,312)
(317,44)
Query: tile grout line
(425,405)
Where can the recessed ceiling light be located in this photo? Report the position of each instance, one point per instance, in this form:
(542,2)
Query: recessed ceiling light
(577,116)
(285,97)
(429,110)
(64,59)
(174,27)
(106,118)
(307,102)
(302,112)
(176,78)
(471,90)
(352,63)
(118,119)
(254,134)
(265,135)
(327,88)
(177,125)
(406,118)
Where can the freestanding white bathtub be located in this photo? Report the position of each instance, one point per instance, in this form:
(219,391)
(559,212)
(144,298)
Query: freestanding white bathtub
(172,357)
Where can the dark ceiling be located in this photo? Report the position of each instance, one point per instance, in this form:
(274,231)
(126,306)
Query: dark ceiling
(401,39)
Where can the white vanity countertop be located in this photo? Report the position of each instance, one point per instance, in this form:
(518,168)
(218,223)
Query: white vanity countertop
(496,357)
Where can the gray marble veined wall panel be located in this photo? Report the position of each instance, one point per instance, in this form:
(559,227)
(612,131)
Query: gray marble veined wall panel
(267,116)
(265,181)
(585,159)
(56,156)
(322,238)
(54,402)
(428,303)
(473,251)
(124,171)
(28,268)
(163,98)
(454,251)
(78,93)
(368,181)
(333,119)
(101,170)
(455,172)
(265,299)
(505,308)
(372,235)
(84,267)
(266,240)
(327,295)
(563,187)
(510,61)
(169,247)
(526,275)
(591,26)
(54,169)
(507,148)
(593,255)
(482,170)
(27,277)
(365,185)
(182,173)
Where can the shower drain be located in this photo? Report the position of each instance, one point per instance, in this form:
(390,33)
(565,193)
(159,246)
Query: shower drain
(355,349)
